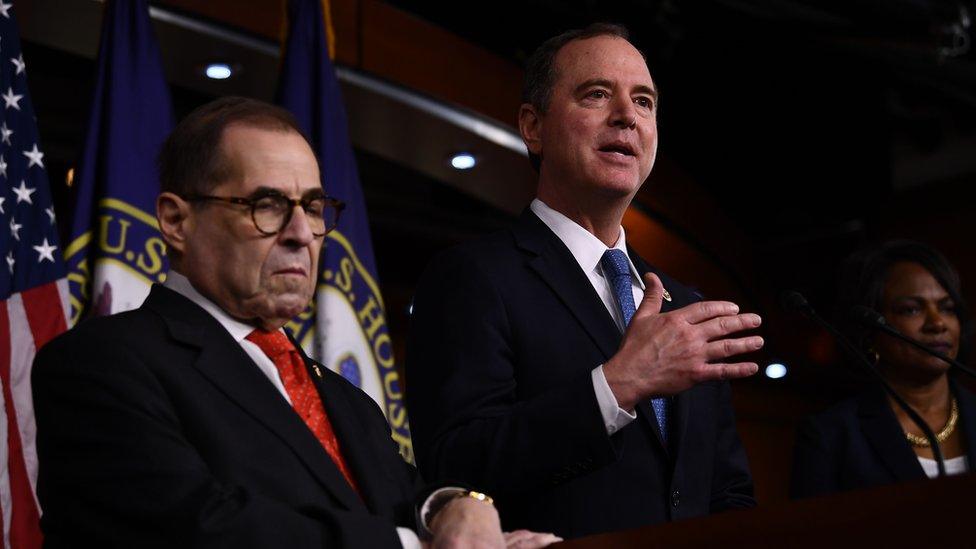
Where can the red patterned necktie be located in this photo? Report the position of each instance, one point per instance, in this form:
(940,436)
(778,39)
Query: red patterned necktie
(304,397)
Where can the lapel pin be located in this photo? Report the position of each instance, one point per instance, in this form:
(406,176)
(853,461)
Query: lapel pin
(666,295)
(319,372)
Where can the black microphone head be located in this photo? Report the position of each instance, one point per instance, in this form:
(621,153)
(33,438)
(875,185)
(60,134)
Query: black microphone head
(866,316)
(793,301)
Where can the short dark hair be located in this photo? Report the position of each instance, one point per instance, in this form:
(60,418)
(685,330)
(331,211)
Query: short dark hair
(191,161)
(540,69)
(865,273)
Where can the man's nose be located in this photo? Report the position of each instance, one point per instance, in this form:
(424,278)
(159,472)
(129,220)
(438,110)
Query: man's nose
(623,112)
(298,230)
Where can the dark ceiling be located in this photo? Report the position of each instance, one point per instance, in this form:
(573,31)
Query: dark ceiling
(816,126)
(801,116)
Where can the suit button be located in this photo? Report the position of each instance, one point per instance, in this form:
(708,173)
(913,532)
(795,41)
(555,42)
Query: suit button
(675,498)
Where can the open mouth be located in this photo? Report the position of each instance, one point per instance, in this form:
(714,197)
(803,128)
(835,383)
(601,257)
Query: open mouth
(618,147)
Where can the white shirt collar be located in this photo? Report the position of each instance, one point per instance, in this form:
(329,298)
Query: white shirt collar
(181,285)
(586,248)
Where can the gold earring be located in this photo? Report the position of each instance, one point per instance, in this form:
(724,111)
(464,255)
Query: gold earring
(873,356)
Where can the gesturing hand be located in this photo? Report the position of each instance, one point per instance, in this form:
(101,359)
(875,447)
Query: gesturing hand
(665,353)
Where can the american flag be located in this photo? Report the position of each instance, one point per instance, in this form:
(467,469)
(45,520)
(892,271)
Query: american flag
(33,287)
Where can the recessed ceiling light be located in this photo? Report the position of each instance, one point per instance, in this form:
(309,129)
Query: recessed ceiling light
(463,161)
(218,71)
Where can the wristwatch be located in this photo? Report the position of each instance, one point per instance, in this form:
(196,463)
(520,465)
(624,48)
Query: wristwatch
(439,499)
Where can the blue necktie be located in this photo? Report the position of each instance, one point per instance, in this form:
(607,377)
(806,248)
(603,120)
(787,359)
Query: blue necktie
(616,268)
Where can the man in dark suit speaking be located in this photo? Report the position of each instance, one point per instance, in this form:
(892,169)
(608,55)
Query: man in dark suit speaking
(550,362)
(194,420)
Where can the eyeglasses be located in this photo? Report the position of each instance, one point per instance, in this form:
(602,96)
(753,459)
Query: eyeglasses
(272,211)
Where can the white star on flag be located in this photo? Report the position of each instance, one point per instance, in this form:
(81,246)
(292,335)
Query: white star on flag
(19,63)
(23,193)
(35,157)
(48,211)
(33,287)
(15,228)
(10,98)
(45,251)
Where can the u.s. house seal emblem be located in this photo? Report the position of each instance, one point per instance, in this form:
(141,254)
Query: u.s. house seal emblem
(352,337)
(111,267)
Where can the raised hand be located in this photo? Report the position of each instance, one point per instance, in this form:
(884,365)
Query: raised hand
(665,353)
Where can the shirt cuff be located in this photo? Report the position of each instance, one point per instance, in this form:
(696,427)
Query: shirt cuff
(614,417)
(408,539)
(435,500)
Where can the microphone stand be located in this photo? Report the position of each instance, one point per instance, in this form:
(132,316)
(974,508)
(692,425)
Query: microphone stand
(873,319)
(796,302)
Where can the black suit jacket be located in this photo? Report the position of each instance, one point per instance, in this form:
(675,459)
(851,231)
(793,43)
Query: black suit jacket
(155,429)
(859,443)
(504,335)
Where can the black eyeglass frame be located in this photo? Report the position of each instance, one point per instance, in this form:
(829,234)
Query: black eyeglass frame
(292,202)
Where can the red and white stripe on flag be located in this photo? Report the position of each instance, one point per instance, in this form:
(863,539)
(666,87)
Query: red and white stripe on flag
(33,287)
(28,320)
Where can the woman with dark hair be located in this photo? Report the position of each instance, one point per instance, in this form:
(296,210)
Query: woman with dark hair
(868,440)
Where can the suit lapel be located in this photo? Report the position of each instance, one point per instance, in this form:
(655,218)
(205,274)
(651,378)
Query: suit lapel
(643,268)
(646,411)
(231,370)
(371,477)
(557,267)
(678,405)
(967,420)
(881,429)
(680,410)
(555,264)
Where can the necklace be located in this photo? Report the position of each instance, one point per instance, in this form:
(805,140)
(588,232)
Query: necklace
(941,436)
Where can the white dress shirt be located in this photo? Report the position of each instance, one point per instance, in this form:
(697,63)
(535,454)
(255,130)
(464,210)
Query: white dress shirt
(236,328)
(588,250)
(239,331)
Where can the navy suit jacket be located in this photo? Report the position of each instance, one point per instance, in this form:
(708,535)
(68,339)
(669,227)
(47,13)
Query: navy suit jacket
(155,429)
(504,335)
(859,443)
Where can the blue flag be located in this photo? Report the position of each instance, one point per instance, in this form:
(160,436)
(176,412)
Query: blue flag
(115,252)
(346,327)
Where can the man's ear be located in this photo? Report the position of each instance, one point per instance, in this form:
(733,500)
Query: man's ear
(530,126)
(173,216)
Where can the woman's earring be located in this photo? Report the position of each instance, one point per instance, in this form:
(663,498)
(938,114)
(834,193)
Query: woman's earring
(873,356)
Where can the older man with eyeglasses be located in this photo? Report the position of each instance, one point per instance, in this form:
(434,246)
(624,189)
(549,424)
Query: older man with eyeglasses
(195,420)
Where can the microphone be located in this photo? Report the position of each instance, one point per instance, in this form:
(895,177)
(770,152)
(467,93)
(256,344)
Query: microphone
(866,316)
(872,319)
(793,301)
